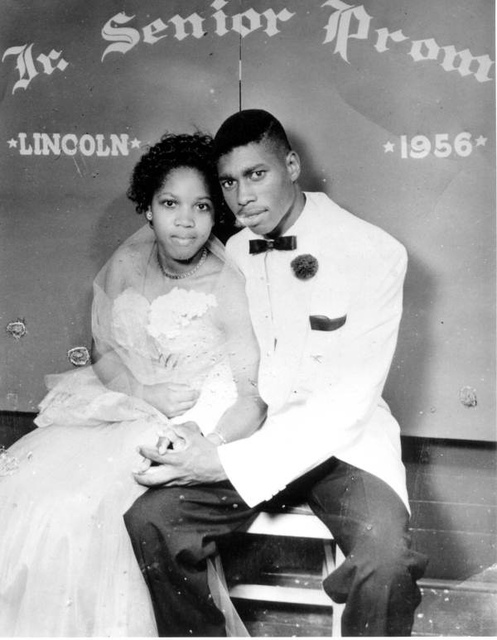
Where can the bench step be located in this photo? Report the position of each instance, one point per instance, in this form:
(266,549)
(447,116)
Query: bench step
(269,593)
(297,525)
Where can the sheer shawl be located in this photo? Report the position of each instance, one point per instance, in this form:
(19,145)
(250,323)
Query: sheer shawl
(124,291)
(149,330)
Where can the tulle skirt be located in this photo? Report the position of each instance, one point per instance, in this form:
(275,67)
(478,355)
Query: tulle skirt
(67,567)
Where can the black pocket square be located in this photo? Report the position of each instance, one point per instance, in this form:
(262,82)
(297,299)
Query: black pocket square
(323,323)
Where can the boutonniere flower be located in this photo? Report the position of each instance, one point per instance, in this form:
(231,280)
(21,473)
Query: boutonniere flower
(305,266)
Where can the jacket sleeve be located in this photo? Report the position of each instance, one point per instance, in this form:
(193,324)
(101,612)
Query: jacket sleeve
(309,430)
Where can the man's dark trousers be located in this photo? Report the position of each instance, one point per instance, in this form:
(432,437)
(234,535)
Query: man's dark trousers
(174,530)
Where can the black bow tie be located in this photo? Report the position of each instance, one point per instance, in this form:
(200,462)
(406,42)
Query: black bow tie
(283,243)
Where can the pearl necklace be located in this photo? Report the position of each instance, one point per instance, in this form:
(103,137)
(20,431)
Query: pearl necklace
(187,274)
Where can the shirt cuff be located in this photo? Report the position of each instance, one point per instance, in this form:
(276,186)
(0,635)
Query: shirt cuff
(244,477)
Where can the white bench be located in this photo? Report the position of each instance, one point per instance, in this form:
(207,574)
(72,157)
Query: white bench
(298,522)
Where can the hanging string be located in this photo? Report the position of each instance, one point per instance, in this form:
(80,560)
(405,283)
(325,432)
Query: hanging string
(240,74)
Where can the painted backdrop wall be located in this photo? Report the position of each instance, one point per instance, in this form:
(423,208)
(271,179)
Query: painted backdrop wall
(389,102)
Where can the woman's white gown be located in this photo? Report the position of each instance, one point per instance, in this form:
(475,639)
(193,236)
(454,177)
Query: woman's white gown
(67,567)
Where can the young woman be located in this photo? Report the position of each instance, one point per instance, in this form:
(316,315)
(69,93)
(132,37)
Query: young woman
(172,342)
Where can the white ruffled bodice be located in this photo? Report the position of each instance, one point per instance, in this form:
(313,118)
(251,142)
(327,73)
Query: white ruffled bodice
(176,332)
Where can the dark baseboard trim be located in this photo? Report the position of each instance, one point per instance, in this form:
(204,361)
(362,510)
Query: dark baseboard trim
(16,414)
(441,442)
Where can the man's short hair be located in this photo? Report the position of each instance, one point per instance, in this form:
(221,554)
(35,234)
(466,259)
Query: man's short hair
(248,126)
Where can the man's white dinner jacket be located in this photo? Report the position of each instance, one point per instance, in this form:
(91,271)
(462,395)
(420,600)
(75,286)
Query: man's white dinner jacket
(322,387)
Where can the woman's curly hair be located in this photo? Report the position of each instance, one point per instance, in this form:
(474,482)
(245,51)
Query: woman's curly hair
(172,152)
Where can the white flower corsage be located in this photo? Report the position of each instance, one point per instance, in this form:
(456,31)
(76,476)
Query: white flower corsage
(171,313)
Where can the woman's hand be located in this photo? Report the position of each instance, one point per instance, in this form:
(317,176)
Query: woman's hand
(196,462)
(171,398)
(176,436)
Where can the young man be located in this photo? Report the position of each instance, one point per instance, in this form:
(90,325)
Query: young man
(325,298)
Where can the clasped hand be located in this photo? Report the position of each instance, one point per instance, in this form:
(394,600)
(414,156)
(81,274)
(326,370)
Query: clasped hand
(182,457)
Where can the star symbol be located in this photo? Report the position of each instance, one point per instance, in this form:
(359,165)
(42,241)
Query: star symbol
(12,143)
(481,141)
(388,146)
(135,144)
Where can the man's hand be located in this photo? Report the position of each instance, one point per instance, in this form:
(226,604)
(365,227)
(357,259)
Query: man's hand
(197,462)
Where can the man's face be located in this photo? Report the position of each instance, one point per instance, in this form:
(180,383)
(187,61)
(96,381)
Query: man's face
(258,184)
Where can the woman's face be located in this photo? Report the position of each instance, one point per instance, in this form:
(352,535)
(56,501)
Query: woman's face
(182,213)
